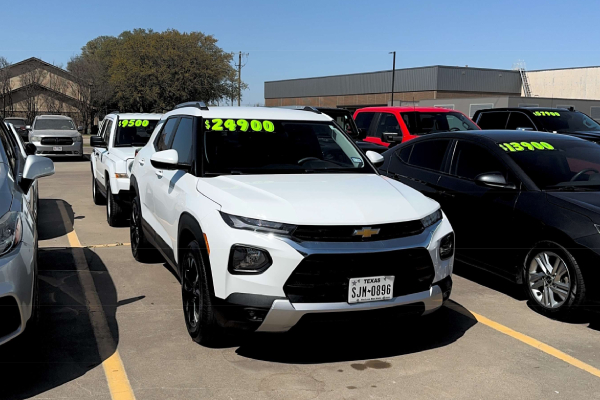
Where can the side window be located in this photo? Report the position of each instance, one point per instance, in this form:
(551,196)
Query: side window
(184,140)
(364,119)
(493,120)
(387,124)
(471,160)
(404,154)
(429,154)
(106,134)
(519,120)
(410,122)
(164,138)
(9,149)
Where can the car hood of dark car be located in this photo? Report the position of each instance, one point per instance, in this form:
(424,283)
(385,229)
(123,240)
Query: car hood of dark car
(586,203)
(593,136)
(6,196)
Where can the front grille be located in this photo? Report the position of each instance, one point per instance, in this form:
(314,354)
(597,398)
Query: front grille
(57,141)
(324,278)
(345,233)
(10,318)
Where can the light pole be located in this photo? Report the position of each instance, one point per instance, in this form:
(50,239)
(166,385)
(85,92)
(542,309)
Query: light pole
(393,74)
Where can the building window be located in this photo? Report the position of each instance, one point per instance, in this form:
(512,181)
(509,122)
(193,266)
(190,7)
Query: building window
(476,107)
(448,106)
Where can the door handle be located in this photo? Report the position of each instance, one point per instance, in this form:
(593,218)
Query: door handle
(159,172)
(141,161)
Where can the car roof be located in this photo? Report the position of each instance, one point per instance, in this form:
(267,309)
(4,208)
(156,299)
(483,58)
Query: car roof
(501,136)
(53,117)
(526,109)
(135,115)
(406,109)
(269,113)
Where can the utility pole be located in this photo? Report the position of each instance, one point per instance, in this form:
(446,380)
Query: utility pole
(393,74)
(240,80)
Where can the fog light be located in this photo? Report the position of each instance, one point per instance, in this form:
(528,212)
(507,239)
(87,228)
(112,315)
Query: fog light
(248,260)
(447,246)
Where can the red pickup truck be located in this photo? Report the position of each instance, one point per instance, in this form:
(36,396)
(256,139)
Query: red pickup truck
(391,125)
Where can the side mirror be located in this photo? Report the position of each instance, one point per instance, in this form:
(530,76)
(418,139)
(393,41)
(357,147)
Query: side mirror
(392,137)
(166,159)
(80,128)
(494,180)
(96,141)
(28,127)
(30,149)
(35,167)
(362,133)
(375,158)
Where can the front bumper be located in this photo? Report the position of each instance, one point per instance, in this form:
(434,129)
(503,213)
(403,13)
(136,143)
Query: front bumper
(73,150)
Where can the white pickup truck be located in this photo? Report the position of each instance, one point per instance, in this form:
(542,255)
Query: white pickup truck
(119,137)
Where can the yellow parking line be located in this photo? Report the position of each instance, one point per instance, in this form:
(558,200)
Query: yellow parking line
(528,340)
(95,246)
(116,377)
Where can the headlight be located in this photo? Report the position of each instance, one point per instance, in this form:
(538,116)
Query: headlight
(11,231)
(78,139)
(36,138)
(432,219)
(257,225)
(248,260)
(447,246)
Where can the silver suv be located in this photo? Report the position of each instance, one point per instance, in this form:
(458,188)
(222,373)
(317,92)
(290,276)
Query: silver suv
(56,135)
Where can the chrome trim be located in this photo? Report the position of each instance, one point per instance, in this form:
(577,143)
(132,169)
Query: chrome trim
(283,315)
(421,240)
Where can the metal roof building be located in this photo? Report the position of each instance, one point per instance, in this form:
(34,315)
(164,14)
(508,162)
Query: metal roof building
(410,85)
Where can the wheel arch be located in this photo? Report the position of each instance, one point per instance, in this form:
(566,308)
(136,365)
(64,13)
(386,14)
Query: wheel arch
(189,229)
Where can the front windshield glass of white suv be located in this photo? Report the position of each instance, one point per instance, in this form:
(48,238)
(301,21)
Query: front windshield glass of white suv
(278,147)
(134,132)
(58,124)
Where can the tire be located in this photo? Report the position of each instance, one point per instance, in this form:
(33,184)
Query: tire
(197,298)
(141,249)
(553,280)
(114,211)
(99,200)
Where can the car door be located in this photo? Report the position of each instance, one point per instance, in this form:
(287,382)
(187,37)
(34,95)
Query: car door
(419,165)
(172,187)
(481,216)
(100,153)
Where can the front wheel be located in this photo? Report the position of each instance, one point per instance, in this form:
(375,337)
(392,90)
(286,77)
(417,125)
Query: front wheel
(197,298)
(141,249)
(553,280)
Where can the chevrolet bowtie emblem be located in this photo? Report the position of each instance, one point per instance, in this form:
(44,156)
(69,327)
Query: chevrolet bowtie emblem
(366,232)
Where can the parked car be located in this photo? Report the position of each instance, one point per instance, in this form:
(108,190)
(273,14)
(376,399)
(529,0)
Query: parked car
(18,237)
(20,125)
(119,137)
(388,126)
(267,216)
(27,149)
(524,206)
(555,120)
(56,135)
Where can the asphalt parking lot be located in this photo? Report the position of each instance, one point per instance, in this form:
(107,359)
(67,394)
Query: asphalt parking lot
(113,328)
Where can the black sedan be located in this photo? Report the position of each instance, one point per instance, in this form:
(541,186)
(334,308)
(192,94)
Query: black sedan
(524,205)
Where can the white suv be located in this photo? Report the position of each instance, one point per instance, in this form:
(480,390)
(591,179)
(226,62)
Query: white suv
(272,215)
(119,136)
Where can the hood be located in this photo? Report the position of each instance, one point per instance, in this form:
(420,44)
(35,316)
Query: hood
(55,132)
(586,203)
(317,199)
(594,136)
(123,153)
(6,195)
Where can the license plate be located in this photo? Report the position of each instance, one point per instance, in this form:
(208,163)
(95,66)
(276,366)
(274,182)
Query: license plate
(57,148)
(372,288)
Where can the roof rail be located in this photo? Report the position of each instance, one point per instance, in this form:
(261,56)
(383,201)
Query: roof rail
(197,104)
(302,108)
(114,112)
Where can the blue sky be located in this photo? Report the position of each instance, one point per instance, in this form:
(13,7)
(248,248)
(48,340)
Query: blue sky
(294,39)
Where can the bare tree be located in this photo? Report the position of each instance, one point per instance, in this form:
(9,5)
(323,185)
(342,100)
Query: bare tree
(31,80)
(81,88)
(56,84)
(5,88)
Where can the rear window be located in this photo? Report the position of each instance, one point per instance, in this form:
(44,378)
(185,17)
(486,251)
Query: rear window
(493,120)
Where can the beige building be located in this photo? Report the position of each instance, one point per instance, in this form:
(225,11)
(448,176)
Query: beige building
(567,83)
(33,87)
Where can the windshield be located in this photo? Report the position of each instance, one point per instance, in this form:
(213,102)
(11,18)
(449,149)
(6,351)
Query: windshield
(134,132)
(558,164)
(54,124)
(566,121)
(15,121)
(421,123)
(272,147)
(344,119)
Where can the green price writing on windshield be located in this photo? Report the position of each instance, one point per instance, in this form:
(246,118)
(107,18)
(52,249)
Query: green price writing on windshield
(546,114)
(128,123)
(525,146)
(243,125)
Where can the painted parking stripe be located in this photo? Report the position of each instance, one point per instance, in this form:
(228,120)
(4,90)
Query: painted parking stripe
(95,246)
(116,377)
(528,340)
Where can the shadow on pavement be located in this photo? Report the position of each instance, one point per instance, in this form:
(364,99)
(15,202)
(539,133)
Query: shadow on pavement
(50,219)
(367,340)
